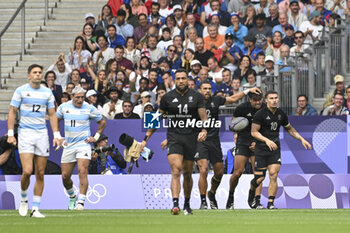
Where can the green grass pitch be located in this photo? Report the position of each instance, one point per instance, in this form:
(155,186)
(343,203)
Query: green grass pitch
(161,221)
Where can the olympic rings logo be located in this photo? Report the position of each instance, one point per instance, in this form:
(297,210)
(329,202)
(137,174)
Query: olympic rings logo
(93,194)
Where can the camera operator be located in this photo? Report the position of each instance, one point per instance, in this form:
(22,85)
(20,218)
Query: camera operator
(104,160)
(9,158)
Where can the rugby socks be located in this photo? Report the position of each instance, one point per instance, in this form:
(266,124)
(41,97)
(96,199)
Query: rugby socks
(257,198)
(203,198)
(187,201)
(24,195)
(81,199)
(176,202)
(230,194)
(270,203)
(71,192)
(36,202)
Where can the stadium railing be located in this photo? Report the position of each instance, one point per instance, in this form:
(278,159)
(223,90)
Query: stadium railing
(21,8)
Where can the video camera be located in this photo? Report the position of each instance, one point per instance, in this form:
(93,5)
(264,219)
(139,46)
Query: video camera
(132,151)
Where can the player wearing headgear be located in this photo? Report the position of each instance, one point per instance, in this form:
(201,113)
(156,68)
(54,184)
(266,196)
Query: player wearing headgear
(33,100)
(210,150)
(245,145)
(265,129)
(77,115)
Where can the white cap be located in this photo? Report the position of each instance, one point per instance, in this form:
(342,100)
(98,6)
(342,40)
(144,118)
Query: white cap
(146,104)
(89,15)
(269,58)
(78,89)
(195,62)
(177,7)
(145,93)
(90,93)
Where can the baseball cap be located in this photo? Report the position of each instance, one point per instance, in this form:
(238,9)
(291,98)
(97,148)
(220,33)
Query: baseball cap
(269,58)
(177,7)
(288,27)
(214,13)
(145,94)
(314,14)
(338,79)
(89,15)
(90,93)
(250,38)
(83,80)
(148,104)
(195,62)
(292,1)
(229,35)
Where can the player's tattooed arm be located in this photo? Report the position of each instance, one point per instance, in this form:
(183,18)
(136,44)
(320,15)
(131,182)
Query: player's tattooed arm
(258,136)
(234,98)
(292,132)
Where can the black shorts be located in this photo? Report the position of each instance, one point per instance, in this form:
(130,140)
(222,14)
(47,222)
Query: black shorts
(243,150)
(183,144)
(265,161)
(210,150)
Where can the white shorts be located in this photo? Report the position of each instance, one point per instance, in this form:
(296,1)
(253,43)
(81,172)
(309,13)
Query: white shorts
(34,142)
(80,152)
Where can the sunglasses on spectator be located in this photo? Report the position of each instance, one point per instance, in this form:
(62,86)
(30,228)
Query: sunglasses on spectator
(298,37)
(171,50)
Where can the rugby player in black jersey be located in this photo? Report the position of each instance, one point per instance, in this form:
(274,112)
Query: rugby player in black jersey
(181,106)
(210,150)
(265,129)
(245,146)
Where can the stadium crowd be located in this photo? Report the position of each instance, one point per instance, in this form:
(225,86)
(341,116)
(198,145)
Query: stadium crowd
(125,58)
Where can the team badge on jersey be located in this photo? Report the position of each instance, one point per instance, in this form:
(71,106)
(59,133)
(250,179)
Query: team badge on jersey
(190,99)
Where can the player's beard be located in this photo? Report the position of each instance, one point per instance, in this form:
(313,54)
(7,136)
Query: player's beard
(182,90)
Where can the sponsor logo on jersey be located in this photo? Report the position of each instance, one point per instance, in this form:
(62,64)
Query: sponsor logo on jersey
(268,118)
(190,99)
(249,114)
(175,100)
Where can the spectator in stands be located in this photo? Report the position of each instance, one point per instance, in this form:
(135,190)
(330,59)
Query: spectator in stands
(213,41)
(215,18)
(123,89)
(347,101)
(141,71)
(155,52)
(236,84)
(155,18)
(170,23)
(346,13)
(262,7)
(195,68)
(249,19)
(141,30)
(131,53)
(337,109)
(285,58)
(246,4)
(90,18)
(168,81)
(145,98)
(223,53)
(161,91)
(121,76)
(148,107)
(339,88)
(269,66)
(203,76)
(63,71)
(130,18)
(323,12)
(65,97)
(84,84)
(202,54)
(50,78)
(75,77)
(69,89)
(114,106)
(260,66)
(143,86)
(226,85)
(172,59)
(138,7)
(261,32)
(123,63)
(250,49)
(190,38)
(123,28)
(304,108)
(91,96)
(113,38)
(236,5)
(272,20)
(244,66)
(299,48)
(186,59)
(214,5)
(78,55)
(190,23)
(111,71)
(215,71)
(238,30)
(177,42)
(274,48)
(101,57)
(164,9)
(165,39)
(105,18)
(9,158)
(283,21)
(89,39)
(127,112)
(179,16)
(283,6)
(312,29)
(289,38)
(192,84)
(251,79)
(295,16)
(153,84)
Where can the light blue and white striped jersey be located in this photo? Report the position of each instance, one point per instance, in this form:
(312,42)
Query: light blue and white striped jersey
(77,121)
(32,104)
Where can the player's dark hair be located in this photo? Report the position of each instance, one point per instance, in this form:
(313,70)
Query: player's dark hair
(182,71)
(34,66)
(303,95)
(254,96)
(203,82)
(270,93)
